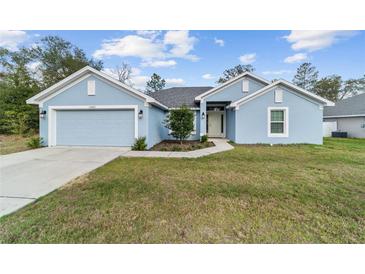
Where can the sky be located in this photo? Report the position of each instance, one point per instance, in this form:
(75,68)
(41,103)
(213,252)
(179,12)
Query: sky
(198,58)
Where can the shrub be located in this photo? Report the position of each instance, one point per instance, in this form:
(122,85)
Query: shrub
(140,144)
(204,139)
(35,142)
(181,123)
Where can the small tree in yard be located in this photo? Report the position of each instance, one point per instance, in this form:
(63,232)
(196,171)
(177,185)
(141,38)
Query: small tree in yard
(180,122)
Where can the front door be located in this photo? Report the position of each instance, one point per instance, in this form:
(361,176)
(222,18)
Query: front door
(215,124)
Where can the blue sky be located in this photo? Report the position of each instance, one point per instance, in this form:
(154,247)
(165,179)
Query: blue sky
(194,58)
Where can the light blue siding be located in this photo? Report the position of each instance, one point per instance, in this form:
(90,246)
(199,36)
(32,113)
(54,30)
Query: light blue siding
(156,130)
(231,124)
(234,92)
(305,120)
(95,127)
(106,94)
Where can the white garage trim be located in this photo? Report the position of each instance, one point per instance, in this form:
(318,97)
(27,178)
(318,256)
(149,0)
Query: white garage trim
(52,121)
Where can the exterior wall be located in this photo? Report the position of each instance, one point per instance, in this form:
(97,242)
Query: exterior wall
(106,94)
(156,129)
(230,93)
(231,124)
(202,122)
(305,120)
(195,136)
(234,91)
(351,125)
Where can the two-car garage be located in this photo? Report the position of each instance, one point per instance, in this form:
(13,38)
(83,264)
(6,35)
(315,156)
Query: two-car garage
(92,127)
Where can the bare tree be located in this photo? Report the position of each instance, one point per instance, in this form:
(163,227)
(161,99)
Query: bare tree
(124,72)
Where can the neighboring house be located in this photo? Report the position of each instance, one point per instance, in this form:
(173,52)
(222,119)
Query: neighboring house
(347,115)
(90,108)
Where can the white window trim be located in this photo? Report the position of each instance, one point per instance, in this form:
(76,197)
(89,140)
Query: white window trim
(286,122)
(52,120)
(91,86)
(245,85)
(278,94)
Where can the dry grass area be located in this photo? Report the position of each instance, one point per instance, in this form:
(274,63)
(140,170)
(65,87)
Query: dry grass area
(13,143)
(252,194)
(172,145)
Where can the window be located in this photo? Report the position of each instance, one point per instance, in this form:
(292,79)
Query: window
(245,85)
(278,125)
(278,96)
(91,87)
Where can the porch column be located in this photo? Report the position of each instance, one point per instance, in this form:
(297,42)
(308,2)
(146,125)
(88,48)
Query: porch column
(203,117)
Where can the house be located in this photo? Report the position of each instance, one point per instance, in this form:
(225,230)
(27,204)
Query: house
(90,108)
(347,115)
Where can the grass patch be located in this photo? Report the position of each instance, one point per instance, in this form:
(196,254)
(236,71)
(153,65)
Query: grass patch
(13,143)
(252,194)
(172,145)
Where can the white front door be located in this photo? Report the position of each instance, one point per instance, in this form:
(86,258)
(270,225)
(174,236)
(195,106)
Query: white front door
(215,124)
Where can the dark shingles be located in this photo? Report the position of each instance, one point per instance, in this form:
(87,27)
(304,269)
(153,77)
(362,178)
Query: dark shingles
(351,106)
(178,96)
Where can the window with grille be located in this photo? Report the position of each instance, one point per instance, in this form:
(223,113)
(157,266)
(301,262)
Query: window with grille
(278,122)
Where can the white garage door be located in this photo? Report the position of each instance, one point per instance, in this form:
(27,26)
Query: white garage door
(95,127)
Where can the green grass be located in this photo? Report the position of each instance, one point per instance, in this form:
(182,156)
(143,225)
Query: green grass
(13,143)
(252,194)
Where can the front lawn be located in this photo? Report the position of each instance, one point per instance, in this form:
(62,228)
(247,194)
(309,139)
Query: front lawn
(252,194)
(13,143)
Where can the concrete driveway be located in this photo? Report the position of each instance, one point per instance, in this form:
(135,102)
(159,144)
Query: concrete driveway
(28,175)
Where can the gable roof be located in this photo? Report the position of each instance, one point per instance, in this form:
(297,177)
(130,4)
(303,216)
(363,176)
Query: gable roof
(353,106)
(262,91)
(41,97)
(178,96)
(230,82)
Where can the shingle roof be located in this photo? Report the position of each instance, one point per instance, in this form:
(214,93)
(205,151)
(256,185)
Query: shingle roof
(351,106)
(178,96)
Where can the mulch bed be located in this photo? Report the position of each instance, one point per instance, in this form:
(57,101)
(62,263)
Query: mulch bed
(172,145)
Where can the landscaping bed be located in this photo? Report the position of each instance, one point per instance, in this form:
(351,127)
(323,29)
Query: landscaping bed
(172,145)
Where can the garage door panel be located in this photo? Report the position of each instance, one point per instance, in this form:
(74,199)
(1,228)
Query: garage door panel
(95,127)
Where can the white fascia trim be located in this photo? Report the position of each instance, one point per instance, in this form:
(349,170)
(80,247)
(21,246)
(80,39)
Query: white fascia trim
(230,82)
(286,122)
(188,108)
(52,121)
(262,91)
(345,116)
(35,98)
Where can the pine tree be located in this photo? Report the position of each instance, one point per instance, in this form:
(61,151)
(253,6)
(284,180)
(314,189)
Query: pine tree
(156,83)
(306,76)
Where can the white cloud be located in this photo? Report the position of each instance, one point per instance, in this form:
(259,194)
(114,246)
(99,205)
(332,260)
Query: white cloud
(146,46)
(219,42)
(10,39)
(151,34)
(181,44)
(159,63)
(175,81)
(139,81)
(208,76)
(130,45)
(312,40)
(248,58)
(276,72)
(298,57)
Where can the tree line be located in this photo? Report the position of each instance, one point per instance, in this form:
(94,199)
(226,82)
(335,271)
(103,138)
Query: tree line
(27,71)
